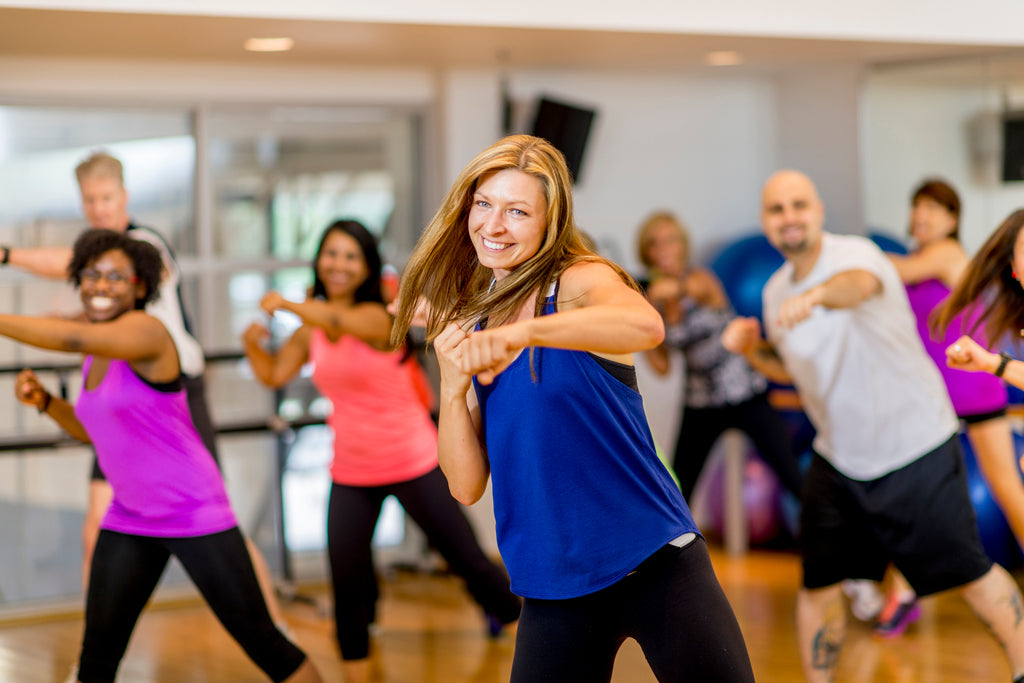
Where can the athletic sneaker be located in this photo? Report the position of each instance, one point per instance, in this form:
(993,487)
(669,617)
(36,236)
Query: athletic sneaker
(866,601)
(896,617)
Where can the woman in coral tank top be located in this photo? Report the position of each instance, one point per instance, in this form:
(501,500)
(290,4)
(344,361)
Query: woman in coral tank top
(385,442)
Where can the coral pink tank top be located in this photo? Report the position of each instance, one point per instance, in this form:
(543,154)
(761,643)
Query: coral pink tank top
(383,432)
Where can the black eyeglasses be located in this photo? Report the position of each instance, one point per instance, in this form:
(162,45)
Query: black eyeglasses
(114,278)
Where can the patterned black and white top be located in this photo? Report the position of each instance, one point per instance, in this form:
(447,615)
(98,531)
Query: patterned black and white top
(714,376)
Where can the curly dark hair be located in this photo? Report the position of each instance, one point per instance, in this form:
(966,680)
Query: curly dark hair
(146,260)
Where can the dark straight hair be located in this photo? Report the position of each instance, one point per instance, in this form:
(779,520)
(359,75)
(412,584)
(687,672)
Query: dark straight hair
(370,289)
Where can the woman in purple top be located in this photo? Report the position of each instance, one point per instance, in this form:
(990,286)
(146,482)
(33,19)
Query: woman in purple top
(169,498)
(930,272)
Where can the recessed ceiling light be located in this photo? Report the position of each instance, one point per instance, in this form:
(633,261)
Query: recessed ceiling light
(269,44)
(723,58)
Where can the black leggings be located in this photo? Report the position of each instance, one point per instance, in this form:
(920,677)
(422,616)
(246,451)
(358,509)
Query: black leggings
(755,417)
(351,517)
(125,571)
(672,605)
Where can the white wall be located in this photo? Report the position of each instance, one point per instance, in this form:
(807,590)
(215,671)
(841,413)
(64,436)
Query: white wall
(819,129)
(917,125)
(698,146)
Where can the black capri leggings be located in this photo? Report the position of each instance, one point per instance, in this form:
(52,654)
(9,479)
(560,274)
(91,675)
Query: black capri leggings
(351,517)
(672,605)
(125,571)
(701,427)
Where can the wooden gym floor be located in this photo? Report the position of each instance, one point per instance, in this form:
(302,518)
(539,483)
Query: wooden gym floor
(430,632)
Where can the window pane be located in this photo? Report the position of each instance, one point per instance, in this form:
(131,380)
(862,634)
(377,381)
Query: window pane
(282,175)
(40,147)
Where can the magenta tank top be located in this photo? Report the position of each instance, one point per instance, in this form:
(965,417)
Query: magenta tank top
(383,432)
(165,482)
(973,393)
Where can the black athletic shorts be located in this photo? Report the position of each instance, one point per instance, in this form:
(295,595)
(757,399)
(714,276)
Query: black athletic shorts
(919,517)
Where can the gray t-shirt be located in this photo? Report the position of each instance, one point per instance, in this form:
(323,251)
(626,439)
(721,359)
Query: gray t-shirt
(867,384)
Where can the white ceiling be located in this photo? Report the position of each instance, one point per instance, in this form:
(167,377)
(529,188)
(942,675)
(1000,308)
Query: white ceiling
(107,35)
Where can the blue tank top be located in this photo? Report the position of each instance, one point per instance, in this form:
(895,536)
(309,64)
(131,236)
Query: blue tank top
(580,496)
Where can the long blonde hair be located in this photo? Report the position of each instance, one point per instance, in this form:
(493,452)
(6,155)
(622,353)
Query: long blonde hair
(444,269)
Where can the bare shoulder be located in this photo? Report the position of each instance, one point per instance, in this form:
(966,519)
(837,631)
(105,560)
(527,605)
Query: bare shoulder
(949,251)
(589,282)
(581,276)
(139,320)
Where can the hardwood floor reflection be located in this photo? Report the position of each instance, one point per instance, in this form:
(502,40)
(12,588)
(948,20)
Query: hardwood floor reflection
(430,632)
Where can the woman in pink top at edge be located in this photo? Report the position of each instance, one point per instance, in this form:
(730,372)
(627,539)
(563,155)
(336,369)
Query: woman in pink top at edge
(930,272)
(385,442)
(169,498)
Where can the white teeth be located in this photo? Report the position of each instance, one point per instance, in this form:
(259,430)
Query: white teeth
(494,245)
(101,303)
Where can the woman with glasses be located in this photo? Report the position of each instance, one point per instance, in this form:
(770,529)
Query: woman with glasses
(169,498)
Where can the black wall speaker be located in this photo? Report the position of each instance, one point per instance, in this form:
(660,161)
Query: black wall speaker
(1013,146)
(565,126)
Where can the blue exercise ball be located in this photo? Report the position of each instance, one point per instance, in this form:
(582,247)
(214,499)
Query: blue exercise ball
(1014,395)
(887,243)
(744,267)
(996,536)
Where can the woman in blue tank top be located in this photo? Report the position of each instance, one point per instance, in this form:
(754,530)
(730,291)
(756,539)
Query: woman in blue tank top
(535,336)
(169,498)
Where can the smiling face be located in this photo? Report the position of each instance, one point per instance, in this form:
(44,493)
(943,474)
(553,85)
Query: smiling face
(508,220)
(931,221)
(104,202)
(109,286)
(341,266)
(792,215)
(665,248)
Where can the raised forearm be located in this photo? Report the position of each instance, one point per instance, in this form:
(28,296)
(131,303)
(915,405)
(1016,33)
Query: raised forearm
(763,358)
(46,333)
(51,262)
(262,363)
(600,329)
(459,451)
(63,413)
(369,322)
(848,289)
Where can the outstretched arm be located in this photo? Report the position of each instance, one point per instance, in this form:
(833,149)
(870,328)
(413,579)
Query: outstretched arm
(134,336)
(944,260)
(369,321)
(51,262)
(967,354)
(275,369)
(31,392)
(598,312)
(460,449)
(843,290)
(743,336)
